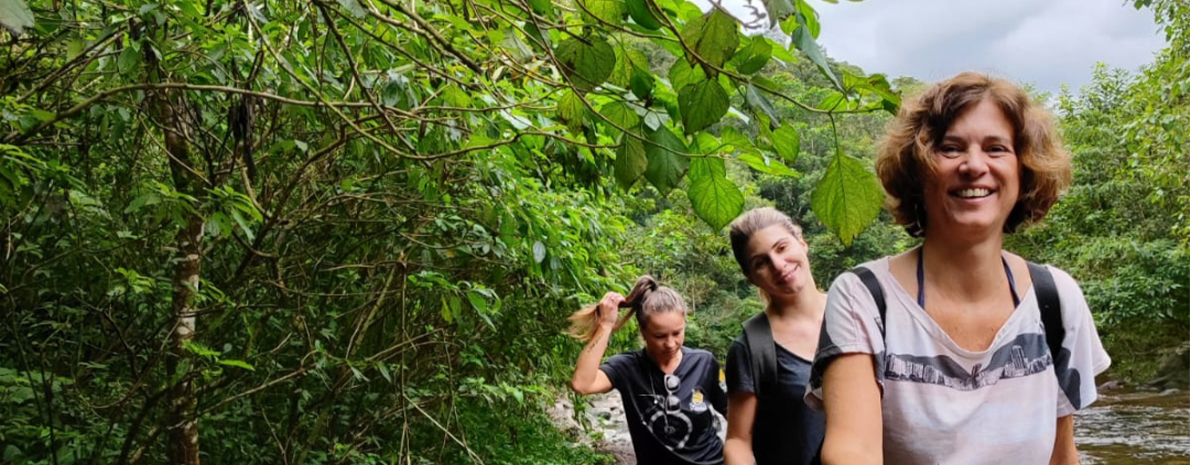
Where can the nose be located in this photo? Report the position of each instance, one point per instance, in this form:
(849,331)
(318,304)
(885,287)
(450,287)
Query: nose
(975,163)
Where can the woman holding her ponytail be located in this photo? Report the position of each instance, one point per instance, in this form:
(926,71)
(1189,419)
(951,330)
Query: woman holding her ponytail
(667,389)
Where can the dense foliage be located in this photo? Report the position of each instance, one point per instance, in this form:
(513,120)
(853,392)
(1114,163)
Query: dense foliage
(327,232)
(350,232)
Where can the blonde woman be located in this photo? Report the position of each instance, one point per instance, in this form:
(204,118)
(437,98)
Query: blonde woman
(668,389)
(767,420)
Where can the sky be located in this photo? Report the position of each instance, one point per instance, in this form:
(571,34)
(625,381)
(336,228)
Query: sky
(1045,43)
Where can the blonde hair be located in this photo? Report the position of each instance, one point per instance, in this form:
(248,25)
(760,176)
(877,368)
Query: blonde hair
(905,155)
(647,298)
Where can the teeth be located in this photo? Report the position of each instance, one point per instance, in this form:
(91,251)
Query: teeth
(970,193)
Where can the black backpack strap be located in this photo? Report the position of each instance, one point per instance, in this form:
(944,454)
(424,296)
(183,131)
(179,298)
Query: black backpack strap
(873,285)
(1051,307)
(758,337)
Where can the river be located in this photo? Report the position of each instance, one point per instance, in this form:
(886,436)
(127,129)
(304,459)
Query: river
(1128,427)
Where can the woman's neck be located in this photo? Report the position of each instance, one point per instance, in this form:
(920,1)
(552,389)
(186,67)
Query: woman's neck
(970,268)
(806,304)
(667,365)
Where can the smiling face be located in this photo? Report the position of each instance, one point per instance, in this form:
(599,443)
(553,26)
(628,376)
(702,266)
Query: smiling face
(977,178)
(664,333)
(777,261)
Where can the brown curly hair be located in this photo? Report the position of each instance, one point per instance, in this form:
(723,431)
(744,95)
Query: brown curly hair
(905,156)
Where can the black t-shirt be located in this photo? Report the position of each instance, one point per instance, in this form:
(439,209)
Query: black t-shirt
(670,434)
(786,430)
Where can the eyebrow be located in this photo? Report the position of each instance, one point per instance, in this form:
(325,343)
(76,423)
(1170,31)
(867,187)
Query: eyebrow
(1000,139)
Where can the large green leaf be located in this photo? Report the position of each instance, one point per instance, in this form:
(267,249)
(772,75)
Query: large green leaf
(620,114)
(15,16)
(847,198)
(713,37)
(716,200)
(667,159)
(631,161)
(702,104)
(586,62)
(786,143)
(753,56)
(629,59)
(639,11)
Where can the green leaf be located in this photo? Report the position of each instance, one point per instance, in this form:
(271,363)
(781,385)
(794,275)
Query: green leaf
(15,16)
(477,301)
(713,37)
(779,9)
(621,114)
(754,56)
(631,161)
(353,7)
(128,60)
(806,43)
(759,103)
(571,108)
(642,83)
(237,363)
(538,251)
(767,165)
(542,7)
(716,200)
(786,143)
(702,104)
(586,62)
(638,10)
(610,11)
(627,61)
(809,17)
(682,73)
(667,159)
(847,198)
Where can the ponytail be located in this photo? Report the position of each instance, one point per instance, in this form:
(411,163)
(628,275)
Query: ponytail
(584,322)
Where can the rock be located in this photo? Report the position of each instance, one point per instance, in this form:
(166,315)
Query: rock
(1111,385)
(1174,371)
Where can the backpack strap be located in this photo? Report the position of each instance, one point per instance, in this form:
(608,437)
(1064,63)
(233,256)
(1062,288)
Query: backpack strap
(758,338)
(1051,307)
(873,285)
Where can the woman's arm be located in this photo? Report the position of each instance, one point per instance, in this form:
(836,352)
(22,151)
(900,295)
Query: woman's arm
(1065,453)
(741,415)
(854,422)
(588,378)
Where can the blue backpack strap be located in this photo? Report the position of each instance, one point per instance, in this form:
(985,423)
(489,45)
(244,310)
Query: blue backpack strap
(1051,307)
(874,288)
(758,338)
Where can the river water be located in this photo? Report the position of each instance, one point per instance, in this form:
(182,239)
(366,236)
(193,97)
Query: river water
(1123,427)
(1135,427)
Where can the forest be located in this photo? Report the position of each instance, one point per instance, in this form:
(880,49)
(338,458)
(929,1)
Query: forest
(350,231)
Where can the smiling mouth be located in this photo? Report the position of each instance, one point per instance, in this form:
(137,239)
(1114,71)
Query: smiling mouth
(975,193)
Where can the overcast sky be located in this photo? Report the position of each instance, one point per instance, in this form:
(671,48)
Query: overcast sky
(1043,42)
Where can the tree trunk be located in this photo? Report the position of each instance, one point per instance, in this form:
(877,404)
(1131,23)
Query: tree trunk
(182,422)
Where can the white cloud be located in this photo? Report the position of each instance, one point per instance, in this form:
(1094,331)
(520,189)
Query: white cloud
(1046,43)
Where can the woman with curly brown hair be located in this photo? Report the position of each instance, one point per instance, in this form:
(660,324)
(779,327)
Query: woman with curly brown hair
(959,351)
(668,389)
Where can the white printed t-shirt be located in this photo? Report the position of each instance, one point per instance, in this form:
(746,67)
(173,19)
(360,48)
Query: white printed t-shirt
(943,404)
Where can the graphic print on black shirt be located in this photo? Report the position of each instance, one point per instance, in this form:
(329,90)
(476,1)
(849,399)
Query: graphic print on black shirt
(670,426)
